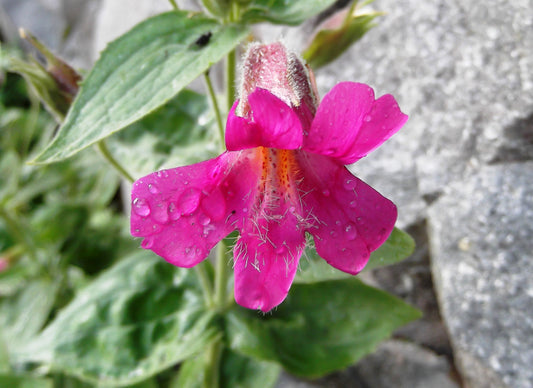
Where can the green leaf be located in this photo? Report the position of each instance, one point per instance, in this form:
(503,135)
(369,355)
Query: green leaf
(239,371)
(320,327)
(22,315)
(330,43)
(14,381)
(291,12)
(177,134)
(138,73)
(137,319)
(236,371)
(313,268)
(398,247)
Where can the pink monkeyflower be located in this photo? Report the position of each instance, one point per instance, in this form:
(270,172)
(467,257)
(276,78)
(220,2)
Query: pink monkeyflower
(282,176)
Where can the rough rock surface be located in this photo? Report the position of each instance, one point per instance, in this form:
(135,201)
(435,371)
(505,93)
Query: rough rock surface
(394,364)
(480,233)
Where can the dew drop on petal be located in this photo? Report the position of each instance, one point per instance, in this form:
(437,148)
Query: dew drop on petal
(153,188)
(147,243)
(189,201)
(334,234)
(214,205)
(204,220)
(353,204)
(326,192)
(140,207)
(350,183)
(350,231)
(280,250)
(173,211)
(367,118)
(160,213)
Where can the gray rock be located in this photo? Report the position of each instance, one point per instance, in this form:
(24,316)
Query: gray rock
(482,258)
(43,20)
(394,364)
(461,71)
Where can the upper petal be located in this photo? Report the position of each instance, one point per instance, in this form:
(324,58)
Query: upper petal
(347,218)
(270,123)
(183,212)
(350,123)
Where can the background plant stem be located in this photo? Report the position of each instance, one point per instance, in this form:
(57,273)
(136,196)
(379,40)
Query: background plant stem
(102,146)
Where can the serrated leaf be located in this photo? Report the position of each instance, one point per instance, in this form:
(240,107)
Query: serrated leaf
(291,12)
(138,73)
(138,318)
(178,133)
(313,268)
(320,327)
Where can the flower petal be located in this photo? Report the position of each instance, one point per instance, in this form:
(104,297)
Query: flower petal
(272,124)
(349,123)
(267,256)
(183,212)
(347,218)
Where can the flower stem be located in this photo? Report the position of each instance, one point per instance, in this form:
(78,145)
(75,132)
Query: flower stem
(174,5)
(221,276)
(230,79)
(216,109)
(212,376)
(102,146)
(205,283)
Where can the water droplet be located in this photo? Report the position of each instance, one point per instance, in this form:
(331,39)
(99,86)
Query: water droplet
(280,250)
(160,213)
(326,192)
(245,210)
(350,231)
(148,243)
(173,211)
(353,204)
(153,188)
(337,222)
(292,209)
(350,183)
(334,234)
(367,118)
(214,205)
(190,253)
(189,201)
(140,207)
(204,220)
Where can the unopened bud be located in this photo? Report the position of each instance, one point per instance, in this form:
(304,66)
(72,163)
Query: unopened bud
(282,73)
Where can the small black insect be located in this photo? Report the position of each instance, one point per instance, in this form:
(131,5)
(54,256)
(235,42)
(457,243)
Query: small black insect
(204,39)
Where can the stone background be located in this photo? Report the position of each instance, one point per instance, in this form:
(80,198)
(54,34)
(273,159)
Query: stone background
(461,172)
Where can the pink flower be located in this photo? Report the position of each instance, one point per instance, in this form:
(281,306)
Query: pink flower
(282,176)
